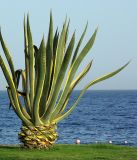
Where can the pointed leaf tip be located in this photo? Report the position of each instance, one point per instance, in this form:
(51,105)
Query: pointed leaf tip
(51,17)
(97,28)
(27,15)
(28,18)
(50,12)
(43,40)
(86,26)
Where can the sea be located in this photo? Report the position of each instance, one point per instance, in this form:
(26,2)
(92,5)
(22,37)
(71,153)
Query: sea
(101,116)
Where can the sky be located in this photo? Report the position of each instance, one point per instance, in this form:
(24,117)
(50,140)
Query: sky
(116,41)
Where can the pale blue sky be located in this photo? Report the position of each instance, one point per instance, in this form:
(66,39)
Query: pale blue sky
(116,41)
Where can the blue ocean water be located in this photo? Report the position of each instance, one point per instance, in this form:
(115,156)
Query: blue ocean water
(101,116)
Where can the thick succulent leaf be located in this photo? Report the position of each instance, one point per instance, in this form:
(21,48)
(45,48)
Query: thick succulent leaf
(23,74)
(40,83)
(58,62)
(8,57)
(60,51)
(24,94)
(31,62)
(55,43)
(53,79)
(49,67)
(13,105)
(20,93)
(61,76)
(14,92)
(25,113)
(36,54)
(11,99)
(67,32)
(25,37)
(74,68)
(72,86)
(79,44)
(23,109)
(86,87)
(81,75)
(26,58)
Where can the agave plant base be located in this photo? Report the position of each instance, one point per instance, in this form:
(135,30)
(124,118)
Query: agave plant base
(41,137)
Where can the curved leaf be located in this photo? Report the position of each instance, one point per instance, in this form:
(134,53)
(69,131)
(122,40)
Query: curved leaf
(26,60)
(14,92)
(31,62)
(8,57)
(58,61)
(86,87)
(49,67)
(40,83)
(72,86)
(74,68)
(60,78)
(79,44)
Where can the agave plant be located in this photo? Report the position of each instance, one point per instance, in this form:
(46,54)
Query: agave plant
(48,80)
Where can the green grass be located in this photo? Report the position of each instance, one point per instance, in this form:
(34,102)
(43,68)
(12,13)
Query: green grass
(71,152)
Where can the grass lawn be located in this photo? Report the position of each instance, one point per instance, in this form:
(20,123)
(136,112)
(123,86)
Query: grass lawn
(71,152)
